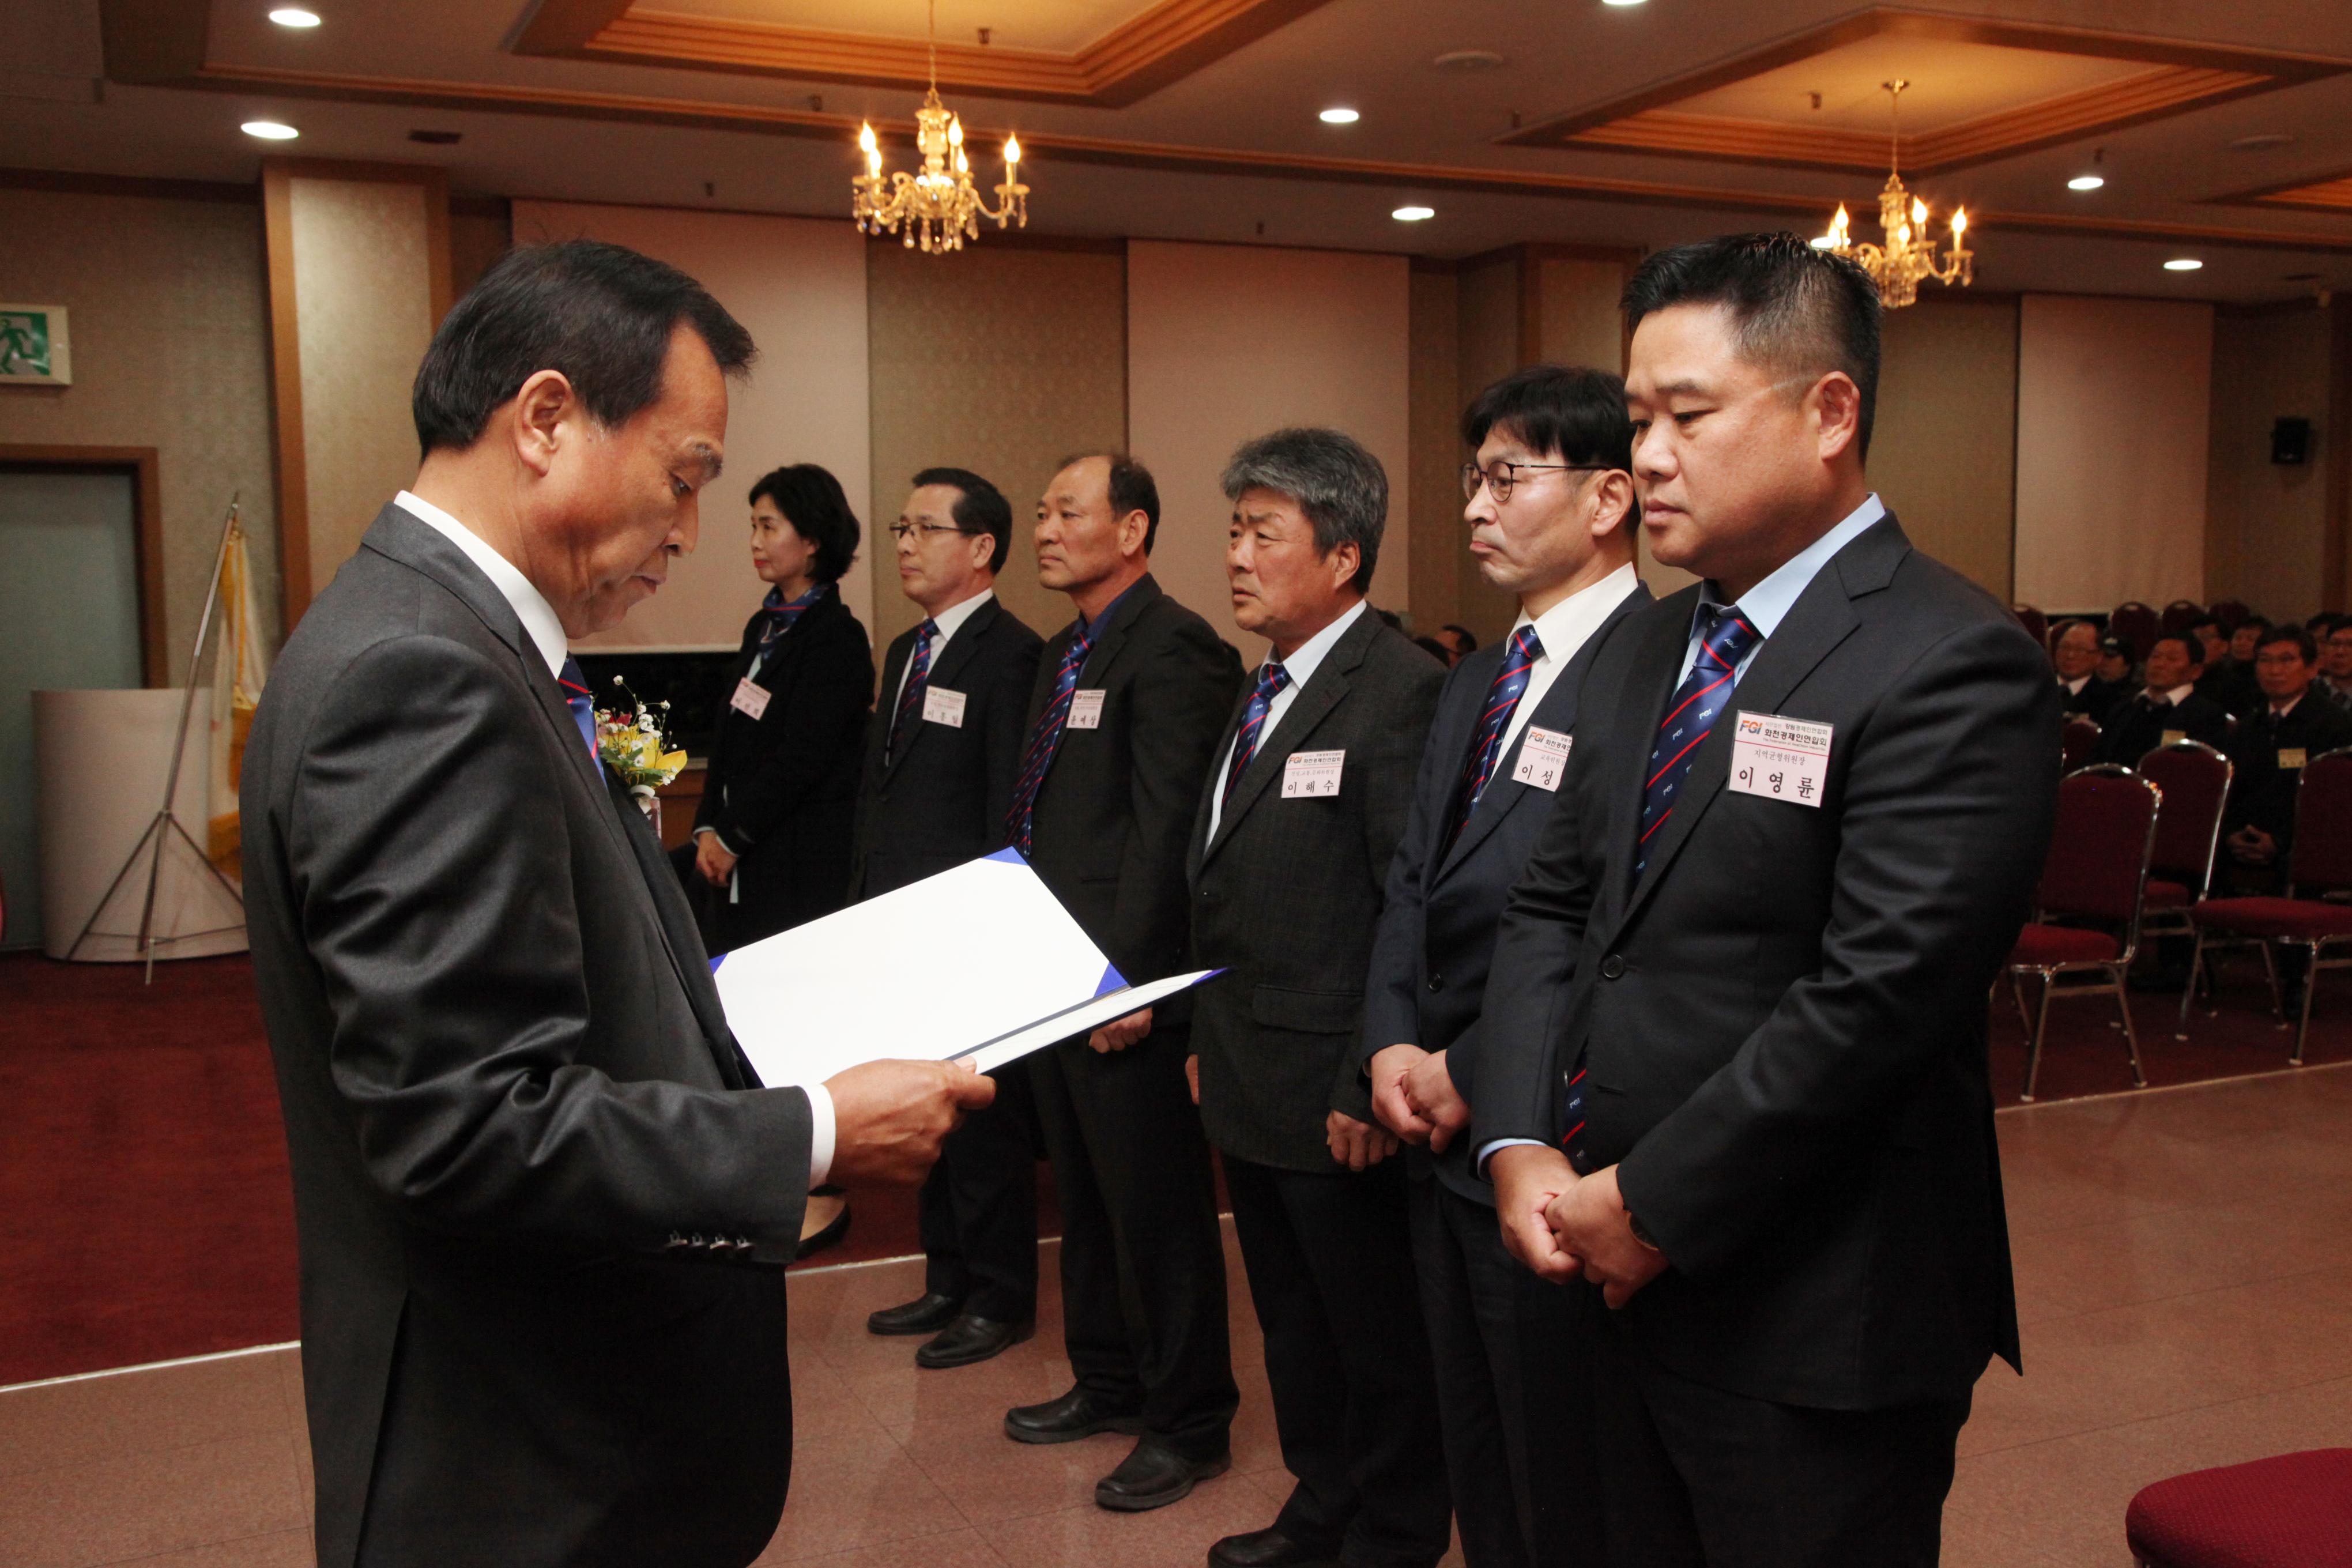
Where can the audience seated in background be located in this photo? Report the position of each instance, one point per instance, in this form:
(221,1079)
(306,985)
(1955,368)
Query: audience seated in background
(2293,725)
(2335,640)
(1457,642)
(2170,709)
(2228,680)
(2115,666)
(2075,653)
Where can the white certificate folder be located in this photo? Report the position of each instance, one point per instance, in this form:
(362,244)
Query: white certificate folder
(982,962)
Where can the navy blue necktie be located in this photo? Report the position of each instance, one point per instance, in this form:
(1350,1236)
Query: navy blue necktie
(1271,678)
(1725,638)
(1044,740)
(1510,684)
(576,697)
(919,676)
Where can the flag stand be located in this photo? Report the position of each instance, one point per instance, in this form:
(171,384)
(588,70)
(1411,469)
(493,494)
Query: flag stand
(159,835)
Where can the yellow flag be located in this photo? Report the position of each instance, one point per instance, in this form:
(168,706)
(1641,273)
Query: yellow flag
(237,674)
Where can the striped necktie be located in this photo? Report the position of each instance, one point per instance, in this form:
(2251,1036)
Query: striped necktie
(1725,638)
(919,676)
(1044,739)
(576,697)
(1503,694)
(1271,679)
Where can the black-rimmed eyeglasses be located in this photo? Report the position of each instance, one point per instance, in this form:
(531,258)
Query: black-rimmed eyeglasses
(1499,479)
(899,531)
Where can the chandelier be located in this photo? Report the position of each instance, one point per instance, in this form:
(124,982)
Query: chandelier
(938,207)
(1908,256)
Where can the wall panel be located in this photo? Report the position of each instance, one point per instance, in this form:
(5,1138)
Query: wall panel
(2266,539)
(1943,454)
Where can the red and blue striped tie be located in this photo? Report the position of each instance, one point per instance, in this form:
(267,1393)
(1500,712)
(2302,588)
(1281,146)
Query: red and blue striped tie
(1503,694)
(919,677)
(1271,679)
(1044,739)
(1725,638)
(577,697)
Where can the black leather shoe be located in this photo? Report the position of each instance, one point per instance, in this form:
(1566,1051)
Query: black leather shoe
(972,1338)
(1075,1415)
(1154,1476)
(1267,1547)
(926,1314)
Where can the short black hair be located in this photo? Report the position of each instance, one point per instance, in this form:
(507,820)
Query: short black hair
(979,507)
(2188,644)
(1431,645)
(2202,622)
(1132,489)
(812,501)
(1793,308)
(601,314)
(2304,644)
(1469,638)
(1570,413)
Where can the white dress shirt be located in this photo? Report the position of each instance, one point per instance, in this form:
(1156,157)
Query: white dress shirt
(1563,630)
(948,621)
(1302,664)
(2074,688)
(546,634)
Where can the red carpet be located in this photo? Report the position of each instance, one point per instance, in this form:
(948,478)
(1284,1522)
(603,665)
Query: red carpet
(145,1213)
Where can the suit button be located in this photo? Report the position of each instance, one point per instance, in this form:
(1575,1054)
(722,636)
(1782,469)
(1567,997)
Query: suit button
(1612,966)
(1436,982)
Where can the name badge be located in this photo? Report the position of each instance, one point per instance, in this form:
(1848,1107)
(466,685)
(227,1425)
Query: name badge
(2291,757)
(944,707)
(750,697)
(2173,737)
(1543,758)
(1086,710)
(1778,758)
(1312,775)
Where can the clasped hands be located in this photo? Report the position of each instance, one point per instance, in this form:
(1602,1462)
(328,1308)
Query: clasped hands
(1560,1225)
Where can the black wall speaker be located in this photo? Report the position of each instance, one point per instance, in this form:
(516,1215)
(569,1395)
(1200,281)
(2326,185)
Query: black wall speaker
(2291,440)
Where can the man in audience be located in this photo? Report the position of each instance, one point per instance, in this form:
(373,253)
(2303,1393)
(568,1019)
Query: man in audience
(2335,661)
(1551,516)
(1751,950)
(2116,668)
(2170,709)
(2294,725)
(2228,680)
(941,758)
(1458,643)
(1123,723)
(1290,849)
(2075,651)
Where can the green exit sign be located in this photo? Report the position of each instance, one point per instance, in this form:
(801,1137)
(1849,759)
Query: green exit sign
(35,347)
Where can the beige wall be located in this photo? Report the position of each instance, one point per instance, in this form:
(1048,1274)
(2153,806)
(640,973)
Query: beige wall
(2112,404)
(1943,453)
(1487,332)
(798,285)
(1433,513)
(999,360)
(1225,343)
(1577,305)
(171,340)
(2266,536)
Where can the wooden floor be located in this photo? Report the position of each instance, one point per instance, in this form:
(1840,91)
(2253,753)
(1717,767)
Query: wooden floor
(2185,1271)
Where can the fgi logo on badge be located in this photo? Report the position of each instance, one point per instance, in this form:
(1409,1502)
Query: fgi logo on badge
(1779,758)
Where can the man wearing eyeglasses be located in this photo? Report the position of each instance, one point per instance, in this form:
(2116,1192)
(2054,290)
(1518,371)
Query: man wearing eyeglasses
(2334,682)
(2294,725)
(939,763)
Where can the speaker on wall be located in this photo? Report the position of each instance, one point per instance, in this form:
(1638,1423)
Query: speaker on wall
(2290,440)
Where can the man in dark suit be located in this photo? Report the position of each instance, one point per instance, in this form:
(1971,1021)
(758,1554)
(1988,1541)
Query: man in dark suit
(1552,515)
(1290,849)
(2294,725)
(939,763)
(544,1202)
(2075,651)
(2171,709)
(1798,832)
(1122,723)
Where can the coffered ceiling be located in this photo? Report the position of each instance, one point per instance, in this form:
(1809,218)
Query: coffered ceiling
(2220,132)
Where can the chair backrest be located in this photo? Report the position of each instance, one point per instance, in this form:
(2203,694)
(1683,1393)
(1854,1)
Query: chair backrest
(2180,615)
(2098,856)
(2233,613)
(2137,625)
(2036,623)
(2322,858)
(2195,779)
(2076,741)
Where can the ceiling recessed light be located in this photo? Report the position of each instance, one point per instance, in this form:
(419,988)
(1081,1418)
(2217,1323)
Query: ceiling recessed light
(1621,2)
(2183,264)
(1468,60)
(2262,141)
(1339,116)
(2086,183)
(269,131)
(1413,214)
(294,17)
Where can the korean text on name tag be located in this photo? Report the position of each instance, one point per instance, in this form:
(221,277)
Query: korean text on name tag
(1312,775)
(1086,708)
(1779,758)
(1543,758)
(941,706)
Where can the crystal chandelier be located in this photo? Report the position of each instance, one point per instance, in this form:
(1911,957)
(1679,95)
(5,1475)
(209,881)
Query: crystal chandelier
(1908,256)
(940,205)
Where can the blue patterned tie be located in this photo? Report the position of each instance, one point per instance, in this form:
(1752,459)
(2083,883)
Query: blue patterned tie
(1725,638)
(919,676)
(1044,739)
(1503,694)
(1271,679)
(576,697)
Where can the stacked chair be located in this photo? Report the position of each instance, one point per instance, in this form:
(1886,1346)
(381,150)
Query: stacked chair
(2180,615)
(2292,1511)
(2136,625)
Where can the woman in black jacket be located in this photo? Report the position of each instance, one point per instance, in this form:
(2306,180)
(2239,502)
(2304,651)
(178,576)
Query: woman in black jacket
(772,840)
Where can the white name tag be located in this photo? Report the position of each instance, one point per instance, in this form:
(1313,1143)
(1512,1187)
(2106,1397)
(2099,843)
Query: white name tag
(1780,759)
(944,707)
(1086,710)
(1543,758)
(1312,775)
(750,697)
(2291,757)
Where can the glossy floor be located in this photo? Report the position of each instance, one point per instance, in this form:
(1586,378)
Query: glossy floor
(2185,1271)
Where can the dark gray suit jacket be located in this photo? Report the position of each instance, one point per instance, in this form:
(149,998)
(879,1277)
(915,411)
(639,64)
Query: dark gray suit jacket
(1783,1025)
(1287,896)
(1428,977)
(535,1181)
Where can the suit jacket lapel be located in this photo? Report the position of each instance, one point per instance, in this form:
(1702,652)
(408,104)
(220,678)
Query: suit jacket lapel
(671,917)
(894,664)
(1307,710)
(1114,633)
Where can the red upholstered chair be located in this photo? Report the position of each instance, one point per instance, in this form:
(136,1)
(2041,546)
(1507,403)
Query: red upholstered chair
(2036,623)
(2180,615)
(2320,864)
(2076,741)
(2291,1511)
(2087,930)
(2136,625)
(2195,779)
(2233,613)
